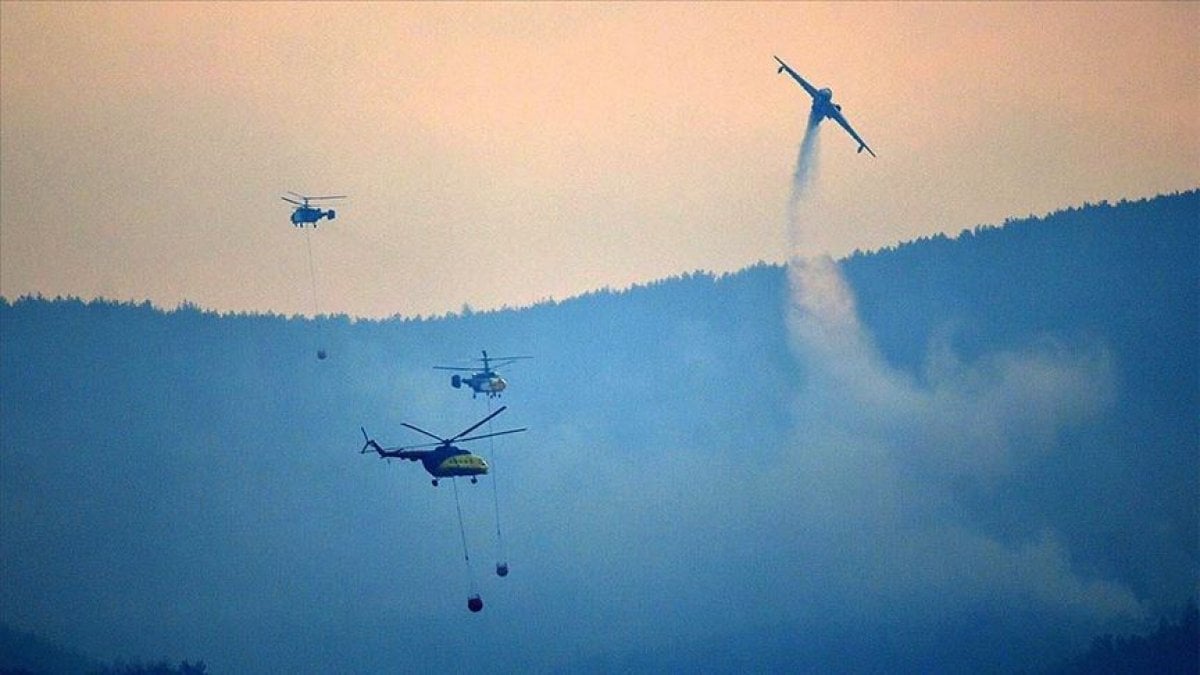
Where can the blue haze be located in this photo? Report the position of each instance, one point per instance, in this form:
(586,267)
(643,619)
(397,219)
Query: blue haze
(696,492)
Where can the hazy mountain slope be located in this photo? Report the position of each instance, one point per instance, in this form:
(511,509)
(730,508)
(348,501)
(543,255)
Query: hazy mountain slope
(187,485)
(1119,278)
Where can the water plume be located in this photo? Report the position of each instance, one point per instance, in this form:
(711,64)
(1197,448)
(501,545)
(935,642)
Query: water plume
(806,167)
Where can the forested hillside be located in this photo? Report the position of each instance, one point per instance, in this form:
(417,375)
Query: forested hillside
(187,485)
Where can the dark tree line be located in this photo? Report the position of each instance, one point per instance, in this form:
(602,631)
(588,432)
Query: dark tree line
(156,668)
(1173,648)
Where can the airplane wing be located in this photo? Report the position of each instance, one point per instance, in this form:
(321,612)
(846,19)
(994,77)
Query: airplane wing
(812,91)
(862,145)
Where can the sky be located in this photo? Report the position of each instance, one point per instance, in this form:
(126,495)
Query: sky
(504,154)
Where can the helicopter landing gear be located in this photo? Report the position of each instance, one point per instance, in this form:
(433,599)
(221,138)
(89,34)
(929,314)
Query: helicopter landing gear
(435,482)
(474,480)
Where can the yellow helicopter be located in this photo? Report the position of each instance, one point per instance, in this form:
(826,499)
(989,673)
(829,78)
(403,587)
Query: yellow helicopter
(444,460)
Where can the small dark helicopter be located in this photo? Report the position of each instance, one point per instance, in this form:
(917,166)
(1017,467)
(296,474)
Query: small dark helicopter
(304,213)
(486,381)
(444,460)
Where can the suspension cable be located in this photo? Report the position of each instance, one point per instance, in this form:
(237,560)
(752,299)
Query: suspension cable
(312,274)
(501,552)
(312,281)
(463,532)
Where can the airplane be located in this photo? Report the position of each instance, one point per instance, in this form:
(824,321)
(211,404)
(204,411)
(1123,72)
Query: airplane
(486,381)
(304,213)
(823,106)
(444,460)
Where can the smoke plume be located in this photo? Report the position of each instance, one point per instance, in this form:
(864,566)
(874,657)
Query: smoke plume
(882,454)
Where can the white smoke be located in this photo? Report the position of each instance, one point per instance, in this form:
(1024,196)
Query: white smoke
(882,451)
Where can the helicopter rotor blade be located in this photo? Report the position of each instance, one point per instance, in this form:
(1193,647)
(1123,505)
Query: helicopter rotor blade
(507,360)
(500,360)
(498,433)
(478,424)
(328,197)
(291,201)
(371,442)
(420,430)
(469,370)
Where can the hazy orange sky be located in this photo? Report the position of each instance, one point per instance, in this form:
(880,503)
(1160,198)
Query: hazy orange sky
(506,153)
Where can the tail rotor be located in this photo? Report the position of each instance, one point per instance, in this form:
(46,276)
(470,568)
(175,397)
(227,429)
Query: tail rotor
(369,445)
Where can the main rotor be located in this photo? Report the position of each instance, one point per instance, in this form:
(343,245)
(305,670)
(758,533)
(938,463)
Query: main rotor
(488,362)
(305,199)
(461,437)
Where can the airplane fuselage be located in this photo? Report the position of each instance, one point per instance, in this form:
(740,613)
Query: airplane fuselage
(823,104)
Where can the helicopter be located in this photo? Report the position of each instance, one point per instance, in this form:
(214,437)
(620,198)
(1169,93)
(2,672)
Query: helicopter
(304,213)
(444,460)
(486,381)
